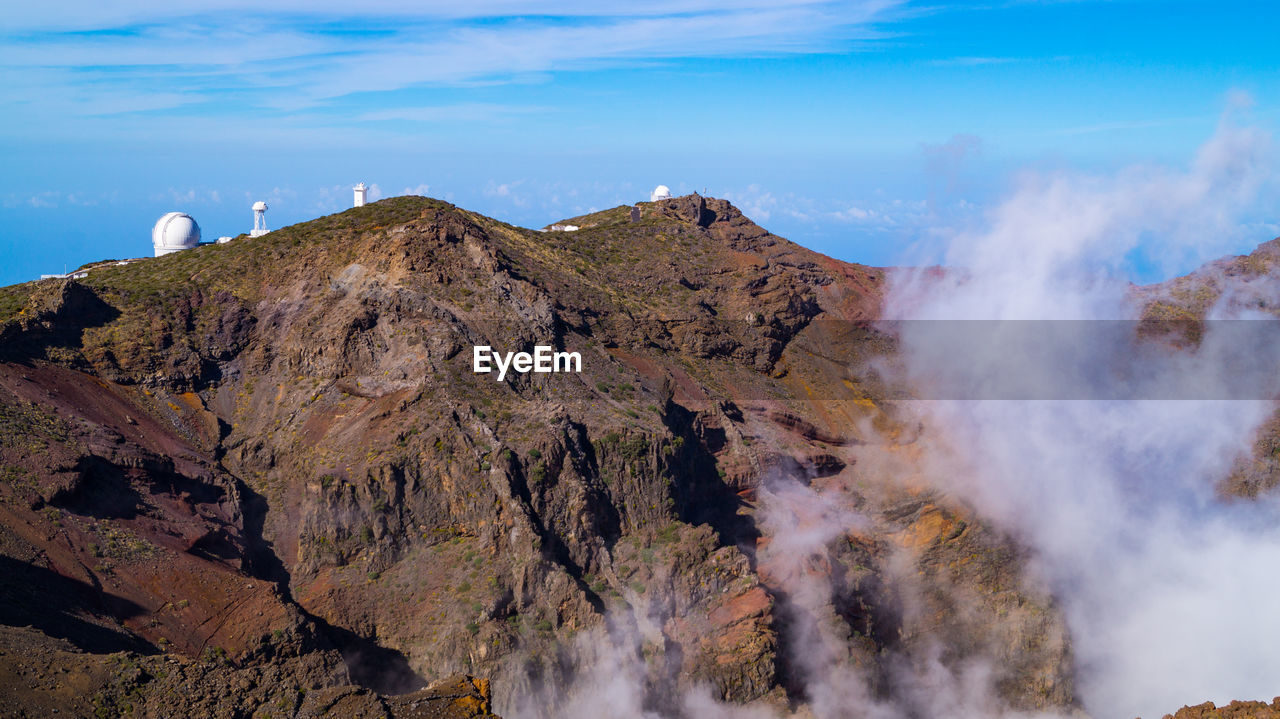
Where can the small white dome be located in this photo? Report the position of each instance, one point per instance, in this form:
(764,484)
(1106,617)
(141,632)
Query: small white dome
(259,206)
(173,232)
(661,192)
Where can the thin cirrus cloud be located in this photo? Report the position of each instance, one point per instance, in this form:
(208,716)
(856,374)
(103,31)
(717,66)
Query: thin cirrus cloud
(973,61)
(89,15)
(1123,125)
(302,56)
(462,111)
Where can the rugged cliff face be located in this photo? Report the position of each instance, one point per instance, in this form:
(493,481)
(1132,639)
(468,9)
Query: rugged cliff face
(1234,710)
(261,478)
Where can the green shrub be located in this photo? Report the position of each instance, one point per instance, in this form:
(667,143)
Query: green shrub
(669,533)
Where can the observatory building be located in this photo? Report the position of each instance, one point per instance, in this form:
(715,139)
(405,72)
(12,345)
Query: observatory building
(174,232)
(360,191)
(259,219)
(661,192)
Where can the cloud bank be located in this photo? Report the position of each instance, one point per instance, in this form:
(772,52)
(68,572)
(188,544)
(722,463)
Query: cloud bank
(1166,586)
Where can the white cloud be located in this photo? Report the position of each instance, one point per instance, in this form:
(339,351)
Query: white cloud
(875,215)
(88,15)
(854,214)
(43,200)
(755,202)
(53,198)
(972,61)
(1126,125)
(142,57)
(179,196)
(1165,587)
(475,111)
(494,189)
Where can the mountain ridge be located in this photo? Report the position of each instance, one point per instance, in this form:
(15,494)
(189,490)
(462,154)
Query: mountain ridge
(269,463)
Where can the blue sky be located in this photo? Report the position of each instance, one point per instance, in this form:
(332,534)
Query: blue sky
(856,128)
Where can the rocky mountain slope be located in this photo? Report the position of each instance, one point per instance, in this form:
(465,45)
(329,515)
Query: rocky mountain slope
(261,479)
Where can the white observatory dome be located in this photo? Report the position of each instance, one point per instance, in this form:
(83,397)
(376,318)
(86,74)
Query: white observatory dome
(174,232)
(661,192)
(259,206)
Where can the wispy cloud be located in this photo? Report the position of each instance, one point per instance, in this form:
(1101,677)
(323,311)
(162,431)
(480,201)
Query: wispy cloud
(48,199)
(449,113)
(222,56)
(974,61)
(983,60)
(87,15)
(865,215)
(1125,125)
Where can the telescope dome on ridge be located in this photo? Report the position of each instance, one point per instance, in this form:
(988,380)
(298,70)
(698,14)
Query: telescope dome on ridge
(173,232)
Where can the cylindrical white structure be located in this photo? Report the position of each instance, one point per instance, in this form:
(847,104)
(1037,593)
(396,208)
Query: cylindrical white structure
(661,192)
(360,191)
(173,232)
(259,219)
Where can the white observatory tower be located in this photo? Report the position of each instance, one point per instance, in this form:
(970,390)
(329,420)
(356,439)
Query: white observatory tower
(259,219)
(661,192)
(360,190)
(174,232)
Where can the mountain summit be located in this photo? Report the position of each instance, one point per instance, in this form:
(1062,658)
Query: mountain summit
(262,478)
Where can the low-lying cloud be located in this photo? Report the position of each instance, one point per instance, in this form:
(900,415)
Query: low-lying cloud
(1165,585)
